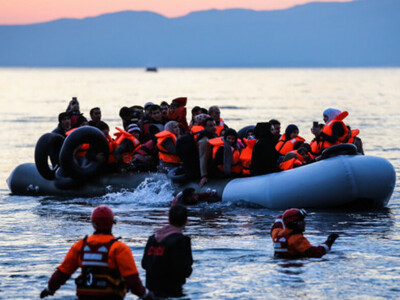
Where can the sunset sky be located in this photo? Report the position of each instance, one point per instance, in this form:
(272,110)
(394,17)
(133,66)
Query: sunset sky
(36,11)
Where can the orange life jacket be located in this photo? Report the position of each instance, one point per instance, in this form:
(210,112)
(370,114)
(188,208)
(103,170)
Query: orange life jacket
(236,166)
(284,147)
(353,134)
(289,245)
(111,148)
(84,147)
(97,279)
(245,156)
(317,146)
(196,128)
(122,135)
(163,154)
(220,126)
(293,162)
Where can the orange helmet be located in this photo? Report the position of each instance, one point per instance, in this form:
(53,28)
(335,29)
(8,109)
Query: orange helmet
(102,218)
(291,216)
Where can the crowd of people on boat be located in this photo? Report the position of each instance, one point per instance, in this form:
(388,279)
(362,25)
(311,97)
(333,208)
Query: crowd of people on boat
(157,137)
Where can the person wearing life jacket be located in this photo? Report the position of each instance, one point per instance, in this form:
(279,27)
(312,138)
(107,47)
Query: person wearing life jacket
(290,140)
(334,132)
(81,121)
(197,125)
(297,158)
(167,257)
(352,138)
(195,111)
(226,154)
(126,145)
(246,154)
(103,126)
(215,113)
(166,144)
(73,111)
(108,268)
(288,240)
(155,120)
(177,112)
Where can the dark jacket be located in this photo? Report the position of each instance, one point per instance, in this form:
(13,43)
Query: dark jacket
(59,130)
(264,158)
(168,262)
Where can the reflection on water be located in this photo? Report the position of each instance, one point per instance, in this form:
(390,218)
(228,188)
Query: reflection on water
(233,254)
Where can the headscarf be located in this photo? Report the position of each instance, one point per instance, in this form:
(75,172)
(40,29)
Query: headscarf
(169,125)
(263,130)
(291,128)
(199,119)
(331,113)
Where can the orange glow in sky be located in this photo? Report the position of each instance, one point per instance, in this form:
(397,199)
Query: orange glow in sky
(36,11)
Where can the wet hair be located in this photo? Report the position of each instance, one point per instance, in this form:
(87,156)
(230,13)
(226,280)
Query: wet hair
(81,119)
(195,109)
(187,193)
(62,115)
(274,122)
(155,107)
(125,111)
(102,125)
(93,109)
(178,215)
(306,146)
(164,103)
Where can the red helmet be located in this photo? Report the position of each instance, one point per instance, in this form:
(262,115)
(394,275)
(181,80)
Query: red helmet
(102,218)
(292,215)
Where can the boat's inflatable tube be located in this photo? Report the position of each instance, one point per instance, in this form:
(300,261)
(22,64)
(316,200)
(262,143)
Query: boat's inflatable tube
(341,149)
(87,167)
(48,147)
(340,181)
(335,182)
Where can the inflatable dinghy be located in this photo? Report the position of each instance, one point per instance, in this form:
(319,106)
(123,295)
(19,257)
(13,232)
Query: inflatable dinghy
(341,181)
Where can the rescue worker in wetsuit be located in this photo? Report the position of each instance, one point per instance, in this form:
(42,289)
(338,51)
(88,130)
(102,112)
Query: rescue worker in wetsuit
(108,266)
(288,239)
(167,257)
(189,196)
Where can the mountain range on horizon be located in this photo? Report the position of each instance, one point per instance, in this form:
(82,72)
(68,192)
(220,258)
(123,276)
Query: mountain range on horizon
(364,33)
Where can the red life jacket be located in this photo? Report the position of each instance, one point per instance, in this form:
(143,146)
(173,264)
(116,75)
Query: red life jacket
(236,166)
(97,278)
(121,135)
(163,154)
(220,126)
(317,146)
(284,147)
(246,155)
(84,147)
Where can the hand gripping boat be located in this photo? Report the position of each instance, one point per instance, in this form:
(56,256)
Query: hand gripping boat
(342,179)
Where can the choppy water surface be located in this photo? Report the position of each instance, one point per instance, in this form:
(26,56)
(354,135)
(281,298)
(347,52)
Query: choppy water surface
(231,246)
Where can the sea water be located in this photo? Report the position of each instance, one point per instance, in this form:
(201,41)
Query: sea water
(232,250)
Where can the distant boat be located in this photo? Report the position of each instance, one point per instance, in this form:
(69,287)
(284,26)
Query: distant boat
(151,69)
